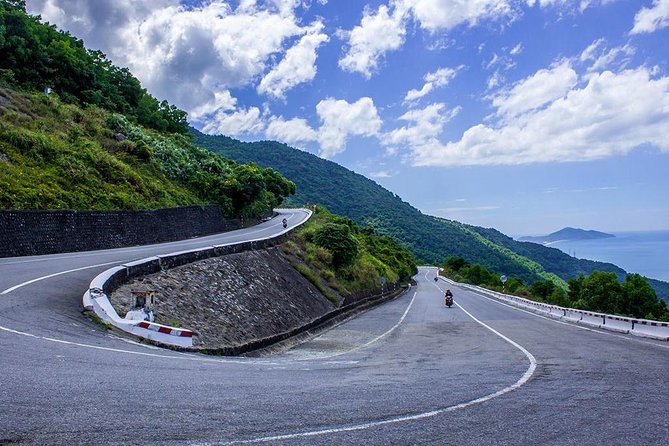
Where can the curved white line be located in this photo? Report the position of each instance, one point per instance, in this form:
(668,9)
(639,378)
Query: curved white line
(523,379)
(376,339)
(15,287)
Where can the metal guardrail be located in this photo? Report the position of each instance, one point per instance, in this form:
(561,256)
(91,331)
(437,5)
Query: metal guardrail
(621,324)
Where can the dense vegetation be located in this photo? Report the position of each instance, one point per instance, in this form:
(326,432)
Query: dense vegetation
(99,140)
(36,56)
(429,238)
(341,258)
(58,156)
(600,291)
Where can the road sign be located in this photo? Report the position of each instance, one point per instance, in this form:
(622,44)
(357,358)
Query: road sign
(503,278)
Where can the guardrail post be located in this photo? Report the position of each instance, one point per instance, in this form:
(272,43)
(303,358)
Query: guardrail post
(604,319)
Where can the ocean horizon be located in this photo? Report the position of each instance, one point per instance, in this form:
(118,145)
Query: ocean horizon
(643,252)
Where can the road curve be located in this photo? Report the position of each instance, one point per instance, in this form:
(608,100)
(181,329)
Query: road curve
(410,371)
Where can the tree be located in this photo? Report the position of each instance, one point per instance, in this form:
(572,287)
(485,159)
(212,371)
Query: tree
(639,299)
(339,240)
(542,289)
(455,263)
(602,292)
(476,274)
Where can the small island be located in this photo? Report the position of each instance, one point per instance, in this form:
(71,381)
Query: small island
(567,234)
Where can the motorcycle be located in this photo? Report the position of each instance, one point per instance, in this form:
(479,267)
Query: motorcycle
(436,279)
(285,223)
(448,300)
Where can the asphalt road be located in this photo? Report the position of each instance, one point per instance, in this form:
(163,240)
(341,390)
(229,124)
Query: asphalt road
(410,371)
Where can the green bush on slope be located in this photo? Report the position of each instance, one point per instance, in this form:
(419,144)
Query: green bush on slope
(346,258)
(59,156)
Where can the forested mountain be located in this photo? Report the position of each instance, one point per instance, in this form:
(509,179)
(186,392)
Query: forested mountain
(430,238)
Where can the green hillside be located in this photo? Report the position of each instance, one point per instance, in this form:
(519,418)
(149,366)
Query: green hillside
(431,239)
(97,140)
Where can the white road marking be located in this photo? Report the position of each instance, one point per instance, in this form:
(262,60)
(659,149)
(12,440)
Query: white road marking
(182,356)
(523,379)
(15,287)
(367,344)
(570,324)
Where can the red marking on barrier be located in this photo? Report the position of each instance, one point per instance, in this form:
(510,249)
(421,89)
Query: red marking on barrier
(166,330)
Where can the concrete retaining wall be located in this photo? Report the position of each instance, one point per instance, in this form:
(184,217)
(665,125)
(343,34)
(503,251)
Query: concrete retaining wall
(48,232)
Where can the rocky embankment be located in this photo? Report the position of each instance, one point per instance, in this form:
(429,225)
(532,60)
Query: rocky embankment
(230,300)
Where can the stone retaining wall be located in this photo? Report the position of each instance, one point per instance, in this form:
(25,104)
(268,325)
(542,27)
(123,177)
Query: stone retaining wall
(25,232)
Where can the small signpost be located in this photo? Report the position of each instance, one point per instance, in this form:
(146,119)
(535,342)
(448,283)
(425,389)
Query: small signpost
(503,279)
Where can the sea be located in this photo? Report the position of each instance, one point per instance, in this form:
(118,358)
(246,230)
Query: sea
(646,253)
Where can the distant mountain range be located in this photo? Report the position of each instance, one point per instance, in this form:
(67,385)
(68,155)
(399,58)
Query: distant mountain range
(431,239)
(568,234)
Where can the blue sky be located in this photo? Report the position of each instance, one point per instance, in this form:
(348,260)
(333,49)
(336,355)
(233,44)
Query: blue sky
(526,116)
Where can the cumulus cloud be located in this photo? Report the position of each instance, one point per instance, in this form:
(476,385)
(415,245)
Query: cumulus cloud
(597,119)
(384,30)
(434,15)
(298,65)
(237,123)
(378,33)
(194,55)
(340,119)
(542,87)
(439,78)
(293,131)
(424,126)
(649,20)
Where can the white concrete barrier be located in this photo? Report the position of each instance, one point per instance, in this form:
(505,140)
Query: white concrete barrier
(639,327)
(96,299)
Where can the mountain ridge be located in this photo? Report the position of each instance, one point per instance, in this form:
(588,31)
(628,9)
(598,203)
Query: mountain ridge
(430,238)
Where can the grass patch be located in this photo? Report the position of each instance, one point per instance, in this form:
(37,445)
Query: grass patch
(97,321)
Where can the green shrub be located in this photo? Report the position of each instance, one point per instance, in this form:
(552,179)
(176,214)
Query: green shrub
(339,240)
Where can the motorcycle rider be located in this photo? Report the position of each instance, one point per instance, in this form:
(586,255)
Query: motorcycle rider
(285,223)
(448,298)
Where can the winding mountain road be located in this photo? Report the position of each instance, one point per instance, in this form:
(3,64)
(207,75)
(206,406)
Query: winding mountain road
(410,371)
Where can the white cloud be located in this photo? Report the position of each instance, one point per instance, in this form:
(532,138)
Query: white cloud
(598,120)
(516,49)
(619,56)
(413,94)
(298,66)
(425,126)
(439,78)
(434,15)
(442,76)
(589,52)
(294,131)
(542,87)
(648,20)
(384,30)
(381,174)
(377,34)
(238,123)
(193,55)
(495,80)
(340,119)
(222,101)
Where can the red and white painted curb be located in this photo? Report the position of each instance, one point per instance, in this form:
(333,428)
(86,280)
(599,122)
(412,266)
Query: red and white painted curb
(166,329)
